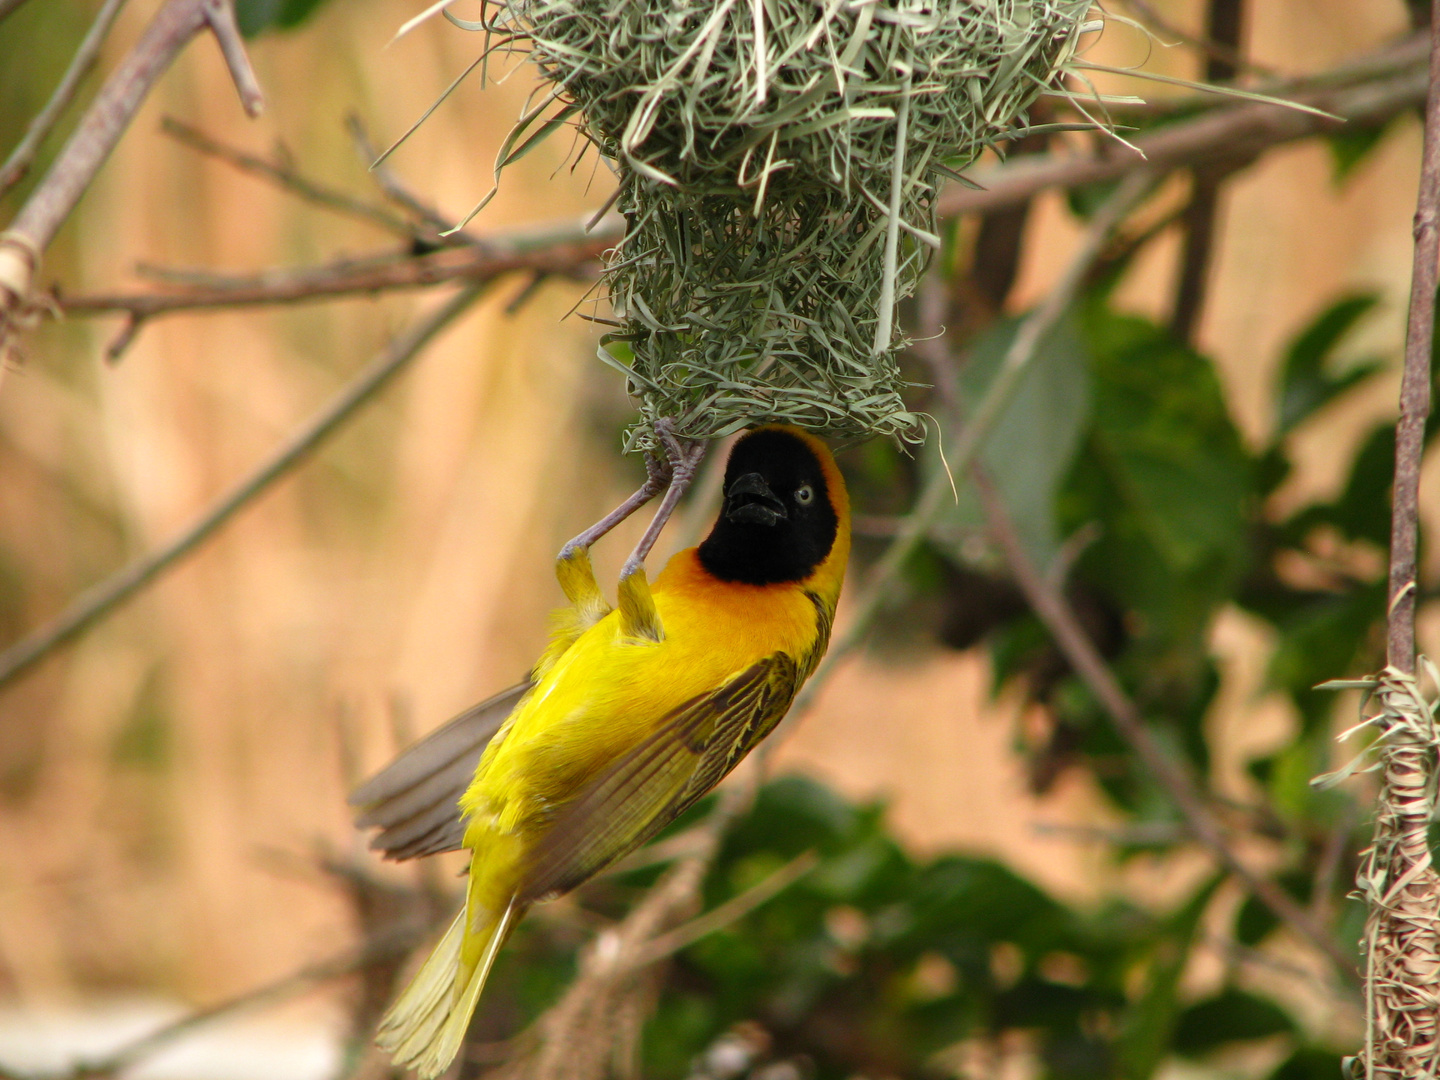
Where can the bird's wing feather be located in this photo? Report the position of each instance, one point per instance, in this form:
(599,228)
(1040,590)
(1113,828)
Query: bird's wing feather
(648,787)
(413,799)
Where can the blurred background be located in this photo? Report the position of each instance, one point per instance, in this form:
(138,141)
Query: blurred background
(172,784)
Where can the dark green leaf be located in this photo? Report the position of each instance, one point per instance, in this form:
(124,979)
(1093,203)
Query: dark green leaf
(1350,145)
(1033,442)
(1305,383)
(1231,1016)
(1309,1063)
(257,16)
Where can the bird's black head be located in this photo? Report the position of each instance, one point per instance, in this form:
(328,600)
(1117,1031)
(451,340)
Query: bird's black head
(779,520)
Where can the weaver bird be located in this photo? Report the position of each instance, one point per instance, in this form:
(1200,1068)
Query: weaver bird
(629,717)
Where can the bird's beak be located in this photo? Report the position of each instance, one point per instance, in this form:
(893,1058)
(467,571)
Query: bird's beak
(750,501)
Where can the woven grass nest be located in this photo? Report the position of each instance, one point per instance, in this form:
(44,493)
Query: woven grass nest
(778,162)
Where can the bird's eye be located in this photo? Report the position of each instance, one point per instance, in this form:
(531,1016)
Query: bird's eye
(805,495)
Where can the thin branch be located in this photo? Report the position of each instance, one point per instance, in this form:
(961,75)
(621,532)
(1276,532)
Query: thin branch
(1224,20)
(1234,132)
(1223,51)
(288,179)
(220,15)
(351,277)
(881,582)
(378,950)
(8,7)
(733,910)
(99,601)
(109,114)
(1415,386)
(396,191)
(582,1032)
(1397,878)
(1172,778)
(23,156)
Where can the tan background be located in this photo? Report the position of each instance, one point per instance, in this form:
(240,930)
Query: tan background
(410,561)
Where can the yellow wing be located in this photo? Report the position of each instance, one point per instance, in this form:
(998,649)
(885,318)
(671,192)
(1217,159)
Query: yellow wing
(652,784)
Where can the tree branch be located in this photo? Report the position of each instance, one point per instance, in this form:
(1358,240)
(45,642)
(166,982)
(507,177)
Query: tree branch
(287,178)
(109,594)
(582,1032)
(23,156)
(347,277)
(1238,132)
(1397,878)
(53,199)
(1060,619)
(1224,22)
(878,586)
(1415,385)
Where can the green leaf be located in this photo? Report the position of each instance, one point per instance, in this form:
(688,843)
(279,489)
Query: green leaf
(1165,477)
(1305,383)
(1033,442)
(1145,1040)
(1231,1016)
(1309,1063)
(257,16)
(1350,144)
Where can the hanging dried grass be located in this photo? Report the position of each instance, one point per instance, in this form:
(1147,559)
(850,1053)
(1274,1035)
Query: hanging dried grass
(778,162)
(1397,880)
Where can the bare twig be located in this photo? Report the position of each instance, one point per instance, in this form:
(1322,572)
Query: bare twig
(880,583)
(8,7)
(582,1033)
(379,950)
(352,277)
(1397,880)
(23,156)
(1238,132)
(733,910)
(1415,386)
(105,597)
(390,184)
(1215,47)
(1224,19)
(289,179)
(100,129)
(1058,616)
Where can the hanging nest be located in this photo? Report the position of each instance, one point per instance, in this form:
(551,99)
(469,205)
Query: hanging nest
(778,162)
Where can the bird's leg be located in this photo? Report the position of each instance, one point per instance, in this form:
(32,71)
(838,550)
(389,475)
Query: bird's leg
(637,608)
(572,567)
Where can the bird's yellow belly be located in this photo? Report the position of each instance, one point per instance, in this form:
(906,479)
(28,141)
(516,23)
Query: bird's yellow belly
(608,692)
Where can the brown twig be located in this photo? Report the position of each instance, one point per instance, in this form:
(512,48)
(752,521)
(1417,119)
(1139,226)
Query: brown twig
(392,188)
(287,178)
(23,156)
(1060,619)
(100,600)
(1224,19)
(8,7)
(583,1032)
(880,583)
(53,199)
(1397,880)
(1219,48)
(1237,132)
(350,277)
(382,949)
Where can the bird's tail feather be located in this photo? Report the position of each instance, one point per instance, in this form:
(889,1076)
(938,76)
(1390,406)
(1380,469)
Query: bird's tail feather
(424,1028)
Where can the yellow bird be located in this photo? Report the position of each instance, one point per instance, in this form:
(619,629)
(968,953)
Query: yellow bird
(630,716)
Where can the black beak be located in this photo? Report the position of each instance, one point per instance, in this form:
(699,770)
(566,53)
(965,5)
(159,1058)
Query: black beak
(750,501)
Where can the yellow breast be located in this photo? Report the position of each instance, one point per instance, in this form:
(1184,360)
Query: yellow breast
(609,691)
